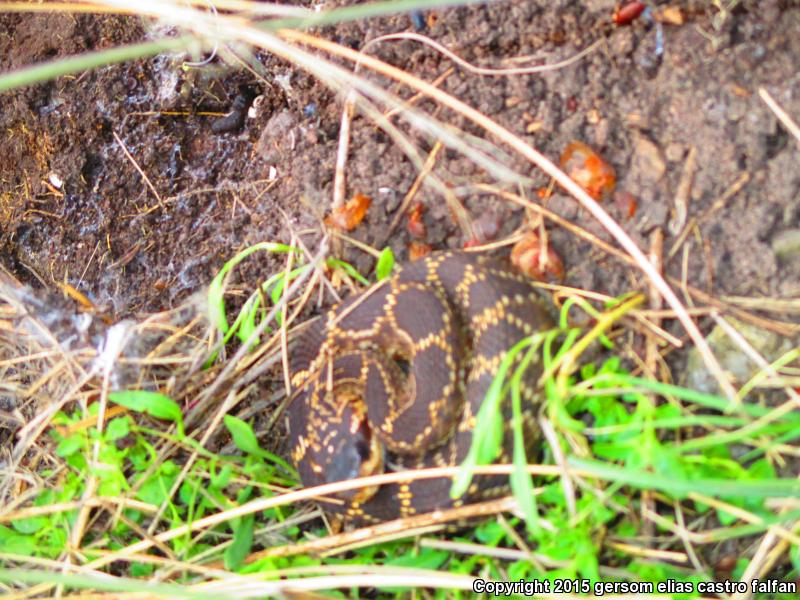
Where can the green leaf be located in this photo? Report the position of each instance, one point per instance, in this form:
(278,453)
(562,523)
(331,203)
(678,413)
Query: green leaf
(14,543)
(347,268)
(427,558)
(242,543)
(243,435)
(221,479)
(118,428)
(490,533)
(155,404)
(30,525)
(70,445)
(245,439)
(141,569)
(156,488)
(385,264)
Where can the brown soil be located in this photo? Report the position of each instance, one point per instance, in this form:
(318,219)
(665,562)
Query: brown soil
(105,232)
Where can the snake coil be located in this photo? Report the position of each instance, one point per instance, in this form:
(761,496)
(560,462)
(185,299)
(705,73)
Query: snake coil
(394,378)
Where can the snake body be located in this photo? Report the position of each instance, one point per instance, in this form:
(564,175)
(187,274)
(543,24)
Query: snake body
(394,377)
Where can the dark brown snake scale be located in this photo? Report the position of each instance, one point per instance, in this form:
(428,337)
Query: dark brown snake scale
(392,379)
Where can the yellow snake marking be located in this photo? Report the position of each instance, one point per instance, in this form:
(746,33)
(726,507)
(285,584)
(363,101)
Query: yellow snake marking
(491,313)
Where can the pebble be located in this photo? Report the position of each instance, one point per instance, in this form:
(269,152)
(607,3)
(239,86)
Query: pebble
(487,226)
(274,134)
(731,357)
(786,245)
(648,160)
(674,152)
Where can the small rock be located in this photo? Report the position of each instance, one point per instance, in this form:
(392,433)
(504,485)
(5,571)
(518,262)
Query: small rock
(731,358)
(275,135)
(648,160)
(737,108)
(602,132)
(674,152)
(786,245)
(487,226)
(391,200)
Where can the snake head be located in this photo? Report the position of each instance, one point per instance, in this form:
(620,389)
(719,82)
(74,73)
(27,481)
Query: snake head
(355,451)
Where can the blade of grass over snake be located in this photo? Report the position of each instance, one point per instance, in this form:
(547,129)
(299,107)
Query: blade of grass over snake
(521,481)
(488,434)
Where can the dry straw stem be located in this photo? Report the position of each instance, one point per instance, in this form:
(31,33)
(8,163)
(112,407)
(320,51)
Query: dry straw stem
(138,168)
(244,7)
(509,554)
(407,35)
(782,115)
(390,530)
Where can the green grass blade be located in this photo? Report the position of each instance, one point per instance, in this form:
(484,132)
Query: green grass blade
(487,437)
(216,289)
(774,488)
(242,543)
(521,480)
(89,60)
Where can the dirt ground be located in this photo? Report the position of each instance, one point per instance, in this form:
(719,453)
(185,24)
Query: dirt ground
(651,115)
(681,126)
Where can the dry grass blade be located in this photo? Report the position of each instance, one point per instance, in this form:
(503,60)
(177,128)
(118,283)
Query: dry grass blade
(390,530)
(782,115)
(406,35)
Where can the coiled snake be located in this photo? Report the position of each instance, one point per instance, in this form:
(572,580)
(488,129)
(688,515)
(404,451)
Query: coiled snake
(394,377)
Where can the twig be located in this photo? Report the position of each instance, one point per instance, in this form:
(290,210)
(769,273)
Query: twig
(342,151)
(656,256)
(683,194)
(408,35)
(781,114)
(719,203)
(412,191)
(138,168)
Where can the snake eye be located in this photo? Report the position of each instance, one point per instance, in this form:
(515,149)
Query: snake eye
(402,364)
(363,448)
